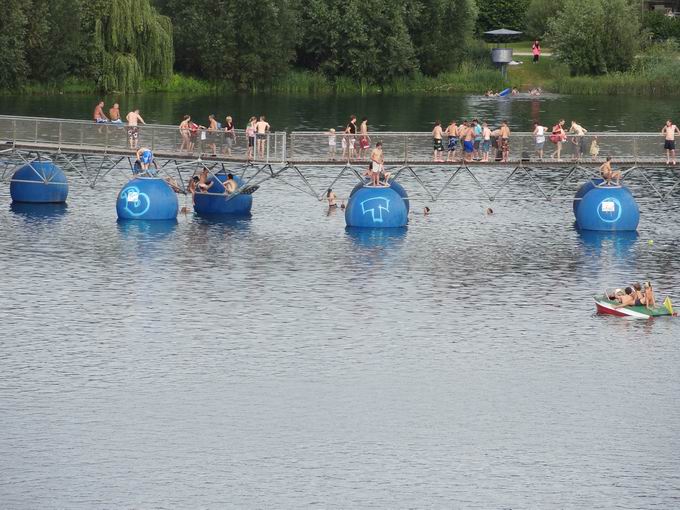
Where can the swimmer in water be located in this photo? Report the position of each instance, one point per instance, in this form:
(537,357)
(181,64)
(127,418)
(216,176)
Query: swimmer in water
(426,211)
(330,196)
(489,211)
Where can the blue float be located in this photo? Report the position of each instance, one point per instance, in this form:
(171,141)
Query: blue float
(585,188)
(215,202)
(147,198)
(39,182)
(377,207)
(608,209)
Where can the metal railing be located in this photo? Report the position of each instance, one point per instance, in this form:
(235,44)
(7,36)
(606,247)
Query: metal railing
(320,147)
(312,147)
(62,134)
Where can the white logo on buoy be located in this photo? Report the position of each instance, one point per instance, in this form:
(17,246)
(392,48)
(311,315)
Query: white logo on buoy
(133,196)
(608,207)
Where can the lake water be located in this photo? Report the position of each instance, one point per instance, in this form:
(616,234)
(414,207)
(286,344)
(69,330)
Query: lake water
(283,361)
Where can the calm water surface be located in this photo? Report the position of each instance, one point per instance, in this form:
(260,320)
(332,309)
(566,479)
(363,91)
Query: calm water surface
(283,361)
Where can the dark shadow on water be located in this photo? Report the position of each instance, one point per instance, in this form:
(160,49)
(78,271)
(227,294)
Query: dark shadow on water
(377,237)
(37,212)
(237,223)
(146,230)
(622,244)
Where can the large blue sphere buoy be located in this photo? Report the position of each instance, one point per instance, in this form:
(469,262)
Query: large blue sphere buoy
(376,207)
(39,182)
(147,198)
(608,208)
(215,202)
(585,188)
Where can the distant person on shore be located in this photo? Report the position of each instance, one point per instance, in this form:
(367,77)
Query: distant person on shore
(536,51)
(133,120)
(98,114)
(608,174)
(437,146)
(452,133)
(332,144)
(262,127)
(364,140)
(229,135)
(505,141)
(377,160)
(114,114)
(539,139)
(557,137)
(669,131)
(579,140)
(250,135)
(185,134)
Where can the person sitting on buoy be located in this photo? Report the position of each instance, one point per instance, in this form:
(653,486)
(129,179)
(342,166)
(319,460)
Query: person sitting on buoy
(377,160)
(608,174)
(205,182)
(230,184)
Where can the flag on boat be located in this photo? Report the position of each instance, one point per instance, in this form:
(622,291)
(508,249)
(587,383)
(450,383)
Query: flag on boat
(669,306)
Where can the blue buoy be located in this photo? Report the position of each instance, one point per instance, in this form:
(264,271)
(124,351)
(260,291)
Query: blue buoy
(376,207)
(215,202)
(585,188)
(608,208)
(39,182)
(147,198)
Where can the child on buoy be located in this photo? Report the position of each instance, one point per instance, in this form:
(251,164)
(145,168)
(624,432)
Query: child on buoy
(608,174)
(377,159)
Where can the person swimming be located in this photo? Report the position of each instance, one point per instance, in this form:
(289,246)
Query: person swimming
(330,196)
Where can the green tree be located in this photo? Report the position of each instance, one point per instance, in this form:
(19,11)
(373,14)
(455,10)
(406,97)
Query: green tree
(537,16)
(13,22)
(509,14)
(578,37)
(430,28)
(130,40)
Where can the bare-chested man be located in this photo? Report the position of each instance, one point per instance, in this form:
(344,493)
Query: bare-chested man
(212,134)
(669,131)
(134,119)
(608,174)
(98,114)
(205,181)
(452,133)
(437,146)
(468,141)
(377,160)
(230,184)
(262,127)
(114,114)
(505,141)
(364,139)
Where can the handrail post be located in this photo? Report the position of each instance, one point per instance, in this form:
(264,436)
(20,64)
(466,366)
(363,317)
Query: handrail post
(60,134)
(292,146)
(14,132)
(153,139)
(36,131)
(283,149)
(82,134)
(106,140)
(268,143)
(405,149)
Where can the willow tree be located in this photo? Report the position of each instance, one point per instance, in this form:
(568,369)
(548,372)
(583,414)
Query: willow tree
(132,41)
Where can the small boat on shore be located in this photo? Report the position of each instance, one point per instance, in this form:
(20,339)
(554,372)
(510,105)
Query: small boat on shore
(606,306)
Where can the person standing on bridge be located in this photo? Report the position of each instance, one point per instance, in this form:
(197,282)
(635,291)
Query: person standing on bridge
(669,131)
(230,135)
(350,134)
(557,137)
(539,139)
(133,119)
(505,141)
(114,114)
(262,127)
(452,133)
(579,140)
(437,146)
(98,114)
(212,134)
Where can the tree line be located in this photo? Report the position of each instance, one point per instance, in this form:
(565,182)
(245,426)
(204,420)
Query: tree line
(118,43)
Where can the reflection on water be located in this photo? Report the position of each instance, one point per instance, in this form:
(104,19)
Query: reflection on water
(284,361)
(39,212)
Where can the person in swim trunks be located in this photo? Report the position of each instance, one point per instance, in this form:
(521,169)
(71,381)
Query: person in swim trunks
(133,119)
(486,142)
(608,174)
(452,133)
(230,184)
(145,158)
(669,131)
(205,181)
(468,142)
(437,145)
(505,141)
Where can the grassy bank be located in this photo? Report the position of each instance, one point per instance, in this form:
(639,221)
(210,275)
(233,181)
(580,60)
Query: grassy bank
(655,79)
